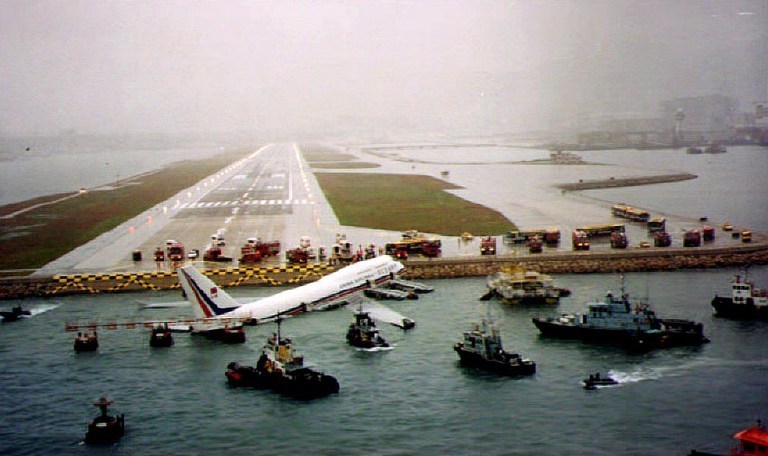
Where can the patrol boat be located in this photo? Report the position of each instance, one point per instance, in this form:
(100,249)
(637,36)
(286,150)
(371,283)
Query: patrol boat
(616,320)
(482,348)
(279,368)
(746,301)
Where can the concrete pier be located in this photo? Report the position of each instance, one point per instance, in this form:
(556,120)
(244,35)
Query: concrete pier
(632,260)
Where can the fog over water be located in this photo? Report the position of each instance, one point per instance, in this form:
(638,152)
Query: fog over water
(382,69)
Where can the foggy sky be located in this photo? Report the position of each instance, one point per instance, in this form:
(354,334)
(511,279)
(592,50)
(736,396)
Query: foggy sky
(461,66)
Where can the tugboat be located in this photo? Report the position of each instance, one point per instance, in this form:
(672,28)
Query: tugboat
(86,342)
(14,313)
(363,332)
(616,320)
(753,441)
(283,371)
(595,380)
(161,336)
(746,302)
(482,348)
(105,428)
(520,287)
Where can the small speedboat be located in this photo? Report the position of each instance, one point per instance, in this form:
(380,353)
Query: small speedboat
(161,336)
(105,428)
(14,313)
(86,342)
(593,381)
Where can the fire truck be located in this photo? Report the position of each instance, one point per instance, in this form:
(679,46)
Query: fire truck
(662,239)
(414,242)
(692,238)
(535,245)
(255,250)
(580,240)
(175,251)
(488,246)
(618,240)
(215,254)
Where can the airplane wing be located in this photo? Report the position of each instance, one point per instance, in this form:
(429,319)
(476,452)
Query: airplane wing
(380,312)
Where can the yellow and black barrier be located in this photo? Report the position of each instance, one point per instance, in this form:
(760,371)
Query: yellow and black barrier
(168,280)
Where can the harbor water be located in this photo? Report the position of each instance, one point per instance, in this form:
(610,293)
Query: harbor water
(416,399)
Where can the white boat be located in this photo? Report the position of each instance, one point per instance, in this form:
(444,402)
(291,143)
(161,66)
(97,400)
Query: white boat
(519,286)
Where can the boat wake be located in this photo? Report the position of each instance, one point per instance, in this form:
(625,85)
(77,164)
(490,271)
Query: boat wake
(376,349)
(640,374)
(637,375)
(162,305)
(37,310)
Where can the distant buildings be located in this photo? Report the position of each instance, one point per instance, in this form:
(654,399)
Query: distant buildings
(712,117)
(680,122)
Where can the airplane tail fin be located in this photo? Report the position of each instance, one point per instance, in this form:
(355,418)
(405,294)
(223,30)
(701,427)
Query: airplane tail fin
(207,299)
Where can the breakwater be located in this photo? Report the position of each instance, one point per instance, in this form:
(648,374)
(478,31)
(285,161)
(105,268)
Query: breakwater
(625,182)
(669,259)
(585,263)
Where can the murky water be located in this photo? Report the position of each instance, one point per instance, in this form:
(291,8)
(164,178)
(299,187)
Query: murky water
(415,399)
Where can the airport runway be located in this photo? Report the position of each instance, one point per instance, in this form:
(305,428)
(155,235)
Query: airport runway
(271,194)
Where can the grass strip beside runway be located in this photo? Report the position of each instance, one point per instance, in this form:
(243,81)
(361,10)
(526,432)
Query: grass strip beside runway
(401,202)
(40,235)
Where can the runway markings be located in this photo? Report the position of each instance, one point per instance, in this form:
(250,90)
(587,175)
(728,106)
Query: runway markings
(204,205)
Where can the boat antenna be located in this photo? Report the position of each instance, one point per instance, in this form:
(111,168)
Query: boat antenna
(279,320)
(621,277)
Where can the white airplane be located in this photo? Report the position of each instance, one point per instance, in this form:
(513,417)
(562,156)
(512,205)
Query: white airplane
(215,309)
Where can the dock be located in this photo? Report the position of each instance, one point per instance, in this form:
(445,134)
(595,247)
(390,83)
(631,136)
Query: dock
(582,262)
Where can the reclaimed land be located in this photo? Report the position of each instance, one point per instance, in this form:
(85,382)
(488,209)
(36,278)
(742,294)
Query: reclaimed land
(40,233)
(344,165)
(626,182)
(399,202)
(667,259)
(324,157)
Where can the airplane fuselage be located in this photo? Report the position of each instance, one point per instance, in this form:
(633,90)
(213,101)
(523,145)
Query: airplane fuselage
(211,303)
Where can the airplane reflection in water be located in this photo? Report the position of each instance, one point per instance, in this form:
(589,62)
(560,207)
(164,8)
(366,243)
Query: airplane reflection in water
(215,309)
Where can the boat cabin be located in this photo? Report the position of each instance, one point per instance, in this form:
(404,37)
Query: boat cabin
(744,292)
(484,340)
(752,441)
(615,312)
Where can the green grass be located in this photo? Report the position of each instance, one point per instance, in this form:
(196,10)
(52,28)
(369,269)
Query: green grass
(41,235)
(344,165)
(401,202)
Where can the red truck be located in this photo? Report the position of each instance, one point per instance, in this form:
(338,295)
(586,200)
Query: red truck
(580,240)
(488,246)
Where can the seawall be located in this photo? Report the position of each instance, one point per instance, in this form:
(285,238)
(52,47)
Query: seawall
(626,182)
(668,259)
(585,263)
